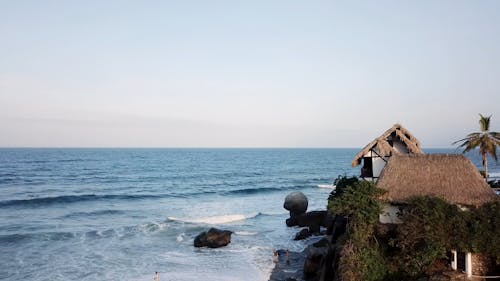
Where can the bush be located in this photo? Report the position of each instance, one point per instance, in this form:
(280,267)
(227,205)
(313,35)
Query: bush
(485,228)
(359,202)
(361,257)
(362,263)
(430,227)
(341,183)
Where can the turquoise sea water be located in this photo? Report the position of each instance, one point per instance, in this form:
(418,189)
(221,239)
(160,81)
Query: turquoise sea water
(122,214)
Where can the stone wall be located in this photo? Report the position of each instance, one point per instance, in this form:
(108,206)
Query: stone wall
(481,264)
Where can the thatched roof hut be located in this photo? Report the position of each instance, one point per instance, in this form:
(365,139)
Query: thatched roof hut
(384,145)
(452,177)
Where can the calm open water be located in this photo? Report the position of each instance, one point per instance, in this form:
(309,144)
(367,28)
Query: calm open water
(122,214)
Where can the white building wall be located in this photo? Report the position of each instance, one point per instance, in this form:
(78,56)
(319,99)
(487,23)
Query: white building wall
(390,214)
(378,165)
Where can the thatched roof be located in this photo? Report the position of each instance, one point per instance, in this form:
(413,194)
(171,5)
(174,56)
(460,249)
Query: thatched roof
(385,149)
(452,177)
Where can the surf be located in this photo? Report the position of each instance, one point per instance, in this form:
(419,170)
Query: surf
(215,220)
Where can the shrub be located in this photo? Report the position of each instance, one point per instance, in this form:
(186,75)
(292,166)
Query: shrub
(341,183)
(361,257)
(485,229)
(362,263)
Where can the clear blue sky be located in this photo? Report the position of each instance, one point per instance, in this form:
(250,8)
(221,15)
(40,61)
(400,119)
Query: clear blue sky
(245,73)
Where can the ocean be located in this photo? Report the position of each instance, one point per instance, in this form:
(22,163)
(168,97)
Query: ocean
(122,214)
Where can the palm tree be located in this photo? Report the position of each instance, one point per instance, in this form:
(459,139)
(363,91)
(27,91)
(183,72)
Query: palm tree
(486,141)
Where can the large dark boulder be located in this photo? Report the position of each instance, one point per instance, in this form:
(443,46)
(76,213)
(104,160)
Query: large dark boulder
(313,220)
(213,238)
(296,203)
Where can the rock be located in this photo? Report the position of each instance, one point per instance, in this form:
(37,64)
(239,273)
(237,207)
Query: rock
(292,221)
(213,238)
(296,203)
(289,266)
(313,220)
(302,234)
(321,243)
(337,228)
(315,259)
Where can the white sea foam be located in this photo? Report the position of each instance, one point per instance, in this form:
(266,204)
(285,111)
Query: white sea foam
(245,233)
(330,186)
(216,219)
(274,213)
(494,175)
(180,237)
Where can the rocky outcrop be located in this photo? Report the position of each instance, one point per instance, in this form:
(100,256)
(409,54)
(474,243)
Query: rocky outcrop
(289,266)
(314,220)
(296,203)
(316,259)
(213,238)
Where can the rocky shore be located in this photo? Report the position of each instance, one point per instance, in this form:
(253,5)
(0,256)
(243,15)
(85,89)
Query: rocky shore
(317,261)
(288,267)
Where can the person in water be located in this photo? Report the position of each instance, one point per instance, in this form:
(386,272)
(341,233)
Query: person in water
(157,277)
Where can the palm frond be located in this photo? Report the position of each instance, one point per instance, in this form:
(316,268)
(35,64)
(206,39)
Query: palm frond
(484,122)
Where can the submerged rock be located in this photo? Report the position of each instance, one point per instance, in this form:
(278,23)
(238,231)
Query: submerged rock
(213,238)
(296,203)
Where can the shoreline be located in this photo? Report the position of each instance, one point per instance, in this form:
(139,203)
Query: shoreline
(292,268)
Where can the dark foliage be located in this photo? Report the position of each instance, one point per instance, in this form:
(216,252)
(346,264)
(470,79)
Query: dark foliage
(341,183)
(362,257)
(431,227)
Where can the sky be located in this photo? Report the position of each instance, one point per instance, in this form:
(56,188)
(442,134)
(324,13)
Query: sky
(260,73)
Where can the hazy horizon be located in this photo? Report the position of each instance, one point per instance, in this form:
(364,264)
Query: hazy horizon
(263,74)
(200,148)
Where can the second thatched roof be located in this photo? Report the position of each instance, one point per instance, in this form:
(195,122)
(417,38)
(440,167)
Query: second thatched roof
(385,148)
(452,177)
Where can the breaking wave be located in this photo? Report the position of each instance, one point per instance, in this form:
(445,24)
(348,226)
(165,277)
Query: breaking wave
(66,199)
(224,219)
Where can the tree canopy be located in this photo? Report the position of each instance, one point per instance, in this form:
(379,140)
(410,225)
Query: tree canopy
(484,139)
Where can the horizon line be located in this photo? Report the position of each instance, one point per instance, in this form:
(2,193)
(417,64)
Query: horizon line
(194,147)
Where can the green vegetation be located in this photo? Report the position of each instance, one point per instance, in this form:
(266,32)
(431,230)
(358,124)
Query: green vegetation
(484,225)
(341,184)
(410,250)
(431,226)
(361,258)
(486,141)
